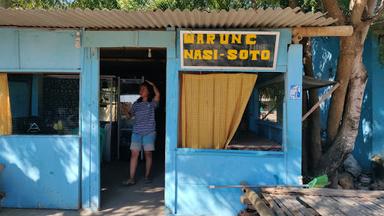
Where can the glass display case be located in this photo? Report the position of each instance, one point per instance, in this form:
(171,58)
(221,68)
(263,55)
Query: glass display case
(107,115)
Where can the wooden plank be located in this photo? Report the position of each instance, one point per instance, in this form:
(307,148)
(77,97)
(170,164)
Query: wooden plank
(351,206)
(369,204)
(274,206)
(324,192)
(282,206)
(287,201)
(379,202)
(293,205)
(322,205)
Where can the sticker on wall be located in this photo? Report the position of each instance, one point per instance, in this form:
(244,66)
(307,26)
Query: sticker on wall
(295,92)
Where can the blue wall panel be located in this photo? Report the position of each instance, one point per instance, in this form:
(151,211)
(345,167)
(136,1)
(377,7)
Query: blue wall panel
(188,172)
(293,115)
(9,49)
(376,76)
(40,171)
(45,49)
(28,50)
(325,53)
(325,57)
(198,169)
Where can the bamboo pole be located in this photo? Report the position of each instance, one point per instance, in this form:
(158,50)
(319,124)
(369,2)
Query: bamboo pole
(254,199)
(321,100)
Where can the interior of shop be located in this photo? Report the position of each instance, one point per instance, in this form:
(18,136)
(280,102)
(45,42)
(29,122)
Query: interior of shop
(262,122)
(235,111)
(122,70)
(37,105)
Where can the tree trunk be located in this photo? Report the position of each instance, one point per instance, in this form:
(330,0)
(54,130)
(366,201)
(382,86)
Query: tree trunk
(344,141)
(314,147)
(344,69)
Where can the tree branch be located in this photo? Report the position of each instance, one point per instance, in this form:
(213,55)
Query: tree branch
(357,11)
(378,14)
(368,21)
(293,3)
(334,10)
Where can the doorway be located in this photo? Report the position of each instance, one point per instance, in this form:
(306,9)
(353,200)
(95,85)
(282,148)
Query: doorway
(122,70)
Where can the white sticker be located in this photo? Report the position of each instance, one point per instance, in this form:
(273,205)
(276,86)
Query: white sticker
(295,92)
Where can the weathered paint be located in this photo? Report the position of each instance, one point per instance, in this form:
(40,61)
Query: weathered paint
(292,114)
(325,54)
(188,171)
(38,51)
(196,169)
(90,188)
(40,171)
(374,128)
(163,39)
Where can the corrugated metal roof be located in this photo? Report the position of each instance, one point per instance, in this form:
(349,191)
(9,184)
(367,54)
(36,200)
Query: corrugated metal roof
(118,19)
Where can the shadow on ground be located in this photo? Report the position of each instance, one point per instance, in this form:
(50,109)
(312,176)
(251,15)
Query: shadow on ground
(116,200)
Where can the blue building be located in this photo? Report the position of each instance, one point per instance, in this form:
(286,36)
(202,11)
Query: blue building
(219,124)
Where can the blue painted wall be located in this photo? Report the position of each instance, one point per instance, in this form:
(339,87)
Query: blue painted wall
(39,51)
(370,137)
(197,169)
(41,171)
(188,172)
(374,129)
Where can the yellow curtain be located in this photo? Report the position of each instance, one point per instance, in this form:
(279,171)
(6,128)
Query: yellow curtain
(5,106)
(212,106)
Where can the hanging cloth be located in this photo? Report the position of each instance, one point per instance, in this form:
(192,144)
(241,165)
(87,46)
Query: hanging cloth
(211,108)
(5,106)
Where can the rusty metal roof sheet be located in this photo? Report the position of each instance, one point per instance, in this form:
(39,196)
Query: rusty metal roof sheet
(119,19)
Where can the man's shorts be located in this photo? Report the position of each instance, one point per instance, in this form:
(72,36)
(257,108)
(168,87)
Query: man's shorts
(147,142)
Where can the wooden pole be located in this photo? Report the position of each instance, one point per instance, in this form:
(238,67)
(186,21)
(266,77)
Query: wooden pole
(322,99)
(327,31)
(254,199)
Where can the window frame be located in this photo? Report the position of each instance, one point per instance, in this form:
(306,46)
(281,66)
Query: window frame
(50,72)
(181,150)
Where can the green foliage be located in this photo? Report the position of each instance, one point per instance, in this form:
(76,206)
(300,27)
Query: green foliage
(310,5)
(40,4)
(95,4)
(145,4)
(195,4)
